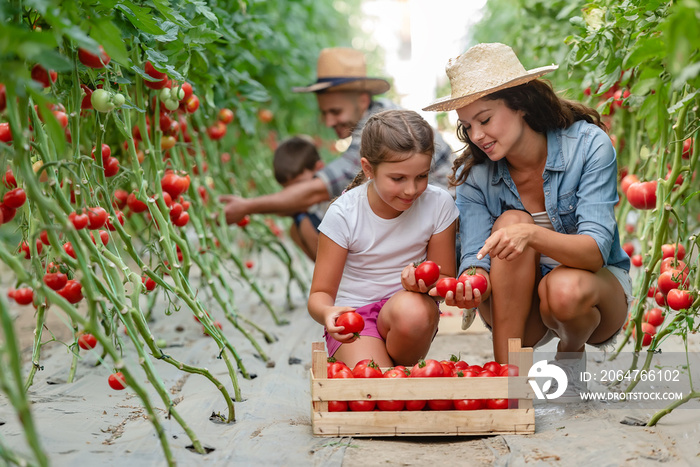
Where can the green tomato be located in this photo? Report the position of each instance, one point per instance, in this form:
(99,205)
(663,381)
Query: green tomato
(101,100)
(171,104)
(177,93)
(118,99)
(164,94)
(161,343)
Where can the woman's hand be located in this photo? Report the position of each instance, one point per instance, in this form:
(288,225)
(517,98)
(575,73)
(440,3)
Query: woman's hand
(409,282)
(336,332)
(507,243)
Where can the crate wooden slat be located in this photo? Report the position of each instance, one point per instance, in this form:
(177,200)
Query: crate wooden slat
(519,420)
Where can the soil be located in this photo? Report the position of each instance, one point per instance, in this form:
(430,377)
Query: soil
(85,421)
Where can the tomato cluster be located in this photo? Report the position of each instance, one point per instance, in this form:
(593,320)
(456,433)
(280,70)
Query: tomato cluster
(449,284)
(428,368)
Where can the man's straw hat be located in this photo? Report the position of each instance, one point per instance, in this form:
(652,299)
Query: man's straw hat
(344,69)
(482,70)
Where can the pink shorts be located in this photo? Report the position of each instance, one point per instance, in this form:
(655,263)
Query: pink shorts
(369,313)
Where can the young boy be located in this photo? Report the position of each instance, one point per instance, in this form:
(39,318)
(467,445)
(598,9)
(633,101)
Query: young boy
(296,160)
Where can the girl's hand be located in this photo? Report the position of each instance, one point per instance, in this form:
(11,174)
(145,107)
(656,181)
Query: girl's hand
(409,282)
(337,332)
(507,243)
(466,297)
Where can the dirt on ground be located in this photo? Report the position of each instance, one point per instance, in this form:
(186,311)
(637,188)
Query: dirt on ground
(86,421)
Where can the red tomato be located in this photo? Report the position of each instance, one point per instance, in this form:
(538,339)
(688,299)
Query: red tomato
(655,316)
(497,404)
(43,77)
(391,406)
(642,195)
(70,251)
(672,263)
(24,247)
(367,370)
(467,373)
(217,130)
(243,222)
(446,284)
(191,104)
(441,404)
(629,248)
(660,298)
(92,60)
(671,279)
(362,406)
(73,291)
(226,116)
(352,322)
(175,184)
(486,374)
(55,280)
(9,179)
(428,272)
(469,404)
(97,217)
(44,237)
(687,148)
(23,295)
(334,366)
(626,181)
(135,204)
(448,368)
(413,405)
(120,218)
(117,381)
(80,221)
(182,220)
(493,366)
(149,283)
(509,370)
(679,299)
(87,341)
(475,280)
(111,167)
(337,406)
(668,250)
(5,132)
(396,372)
(636,260)
(343,373)
(427,369)
(14,198)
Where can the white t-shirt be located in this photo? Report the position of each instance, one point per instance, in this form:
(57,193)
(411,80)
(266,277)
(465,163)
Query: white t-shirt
(379,249)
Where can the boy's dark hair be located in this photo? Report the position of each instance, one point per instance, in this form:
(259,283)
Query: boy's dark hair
(293,156)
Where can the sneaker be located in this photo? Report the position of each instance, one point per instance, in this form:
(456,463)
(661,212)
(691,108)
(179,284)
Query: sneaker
(573,367)
(468,316)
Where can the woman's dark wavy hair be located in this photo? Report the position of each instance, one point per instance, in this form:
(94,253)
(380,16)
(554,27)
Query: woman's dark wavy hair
(544,110)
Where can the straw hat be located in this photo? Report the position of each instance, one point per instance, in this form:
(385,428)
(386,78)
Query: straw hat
(344,69)
(482,70)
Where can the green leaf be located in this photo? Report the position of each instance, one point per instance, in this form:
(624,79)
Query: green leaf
(687,200)
(204,10)
(201,35)
(109,36)
(140,17)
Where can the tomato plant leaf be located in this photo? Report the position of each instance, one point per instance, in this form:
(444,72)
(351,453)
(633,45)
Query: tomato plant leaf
(204,10)
(140,17)
(106,33)
(169,13)
(201,35)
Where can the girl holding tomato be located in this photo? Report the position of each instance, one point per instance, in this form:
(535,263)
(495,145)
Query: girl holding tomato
(536,190)
(370,236)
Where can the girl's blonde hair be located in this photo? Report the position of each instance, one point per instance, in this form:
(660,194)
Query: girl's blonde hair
(393,136)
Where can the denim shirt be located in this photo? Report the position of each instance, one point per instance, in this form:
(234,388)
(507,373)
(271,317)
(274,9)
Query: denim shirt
(580,193)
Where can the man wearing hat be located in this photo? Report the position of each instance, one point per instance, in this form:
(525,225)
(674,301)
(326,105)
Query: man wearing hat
(345,96)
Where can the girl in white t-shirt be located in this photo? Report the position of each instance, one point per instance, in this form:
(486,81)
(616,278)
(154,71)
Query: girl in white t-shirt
(388,218)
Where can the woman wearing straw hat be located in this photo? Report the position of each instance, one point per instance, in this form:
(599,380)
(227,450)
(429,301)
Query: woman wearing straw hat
(346,100)
(536,190)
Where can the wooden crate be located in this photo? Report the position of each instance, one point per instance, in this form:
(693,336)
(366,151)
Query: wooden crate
(519,420)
